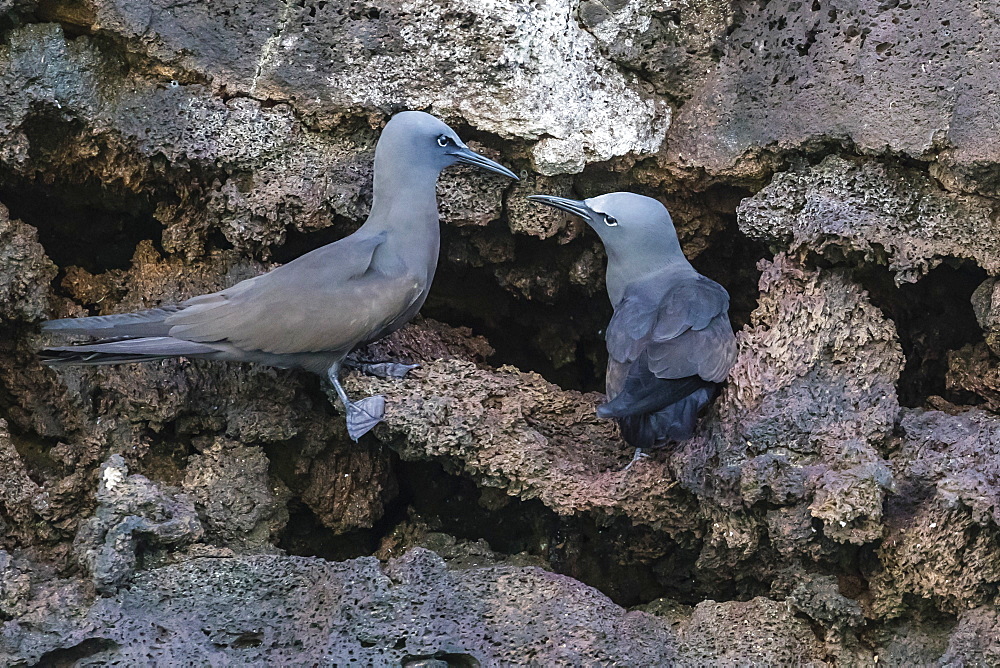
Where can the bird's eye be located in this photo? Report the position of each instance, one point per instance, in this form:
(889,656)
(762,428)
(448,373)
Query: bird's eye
(610,221)
(444,140)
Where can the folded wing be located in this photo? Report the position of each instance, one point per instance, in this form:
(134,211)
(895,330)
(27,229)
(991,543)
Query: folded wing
(326,300)
(670,337)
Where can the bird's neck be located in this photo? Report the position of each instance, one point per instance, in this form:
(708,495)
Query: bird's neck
(624,271)
(404,203)
(401,188)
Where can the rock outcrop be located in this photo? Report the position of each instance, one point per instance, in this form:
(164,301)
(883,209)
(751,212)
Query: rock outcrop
(833,164)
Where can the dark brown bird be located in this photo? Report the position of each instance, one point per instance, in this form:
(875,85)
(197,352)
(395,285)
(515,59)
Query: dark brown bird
(670,343)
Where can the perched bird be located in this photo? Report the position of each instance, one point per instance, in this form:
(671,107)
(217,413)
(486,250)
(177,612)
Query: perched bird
(310,313)
(670,343)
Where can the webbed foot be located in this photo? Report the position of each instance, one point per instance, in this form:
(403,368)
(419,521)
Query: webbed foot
(387,369)
(363,415)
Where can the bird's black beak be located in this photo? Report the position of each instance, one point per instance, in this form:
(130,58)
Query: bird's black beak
(576,207)
(467,156)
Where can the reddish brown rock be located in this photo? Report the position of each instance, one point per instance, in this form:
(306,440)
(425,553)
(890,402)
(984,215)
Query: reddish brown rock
(513,430)
(943,534)
(348,487)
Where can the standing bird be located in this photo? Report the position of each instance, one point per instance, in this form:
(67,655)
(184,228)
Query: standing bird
(310,313)
(670,343)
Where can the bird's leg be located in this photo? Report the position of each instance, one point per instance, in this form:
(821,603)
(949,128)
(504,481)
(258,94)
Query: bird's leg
(639,454)
(381,369)
(361,415)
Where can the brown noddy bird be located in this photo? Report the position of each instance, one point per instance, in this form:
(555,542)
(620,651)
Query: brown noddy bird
(670,342)
(312,312)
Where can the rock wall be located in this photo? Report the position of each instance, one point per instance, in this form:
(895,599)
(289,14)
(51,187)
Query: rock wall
(832,163)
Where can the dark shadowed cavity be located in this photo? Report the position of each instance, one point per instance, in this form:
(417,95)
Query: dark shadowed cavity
(731,261)
(598,553)
(933,317)
(81,220)
(86,225)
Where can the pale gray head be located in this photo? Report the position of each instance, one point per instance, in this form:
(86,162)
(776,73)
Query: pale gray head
(630,225)
(637,233)
(418,142)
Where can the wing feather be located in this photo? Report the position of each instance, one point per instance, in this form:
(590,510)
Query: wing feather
(669,343)
(680,321)
(326,300)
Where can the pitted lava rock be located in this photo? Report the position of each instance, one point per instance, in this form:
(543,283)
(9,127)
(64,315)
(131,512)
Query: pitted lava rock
(833,163)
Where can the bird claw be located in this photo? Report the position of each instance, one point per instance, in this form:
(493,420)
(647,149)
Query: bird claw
(387,369)
(363,415)
(639,454)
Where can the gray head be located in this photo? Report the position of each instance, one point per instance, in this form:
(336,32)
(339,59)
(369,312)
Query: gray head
(417,142)
(637,233)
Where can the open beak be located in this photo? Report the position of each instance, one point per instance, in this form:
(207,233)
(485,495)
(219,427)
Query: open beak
(576,207)
(467,156)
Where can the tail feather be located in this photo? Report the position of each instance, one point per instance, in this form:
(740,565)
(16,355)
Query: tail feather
(128,350)
(645,393)
(148,323)
(675,422)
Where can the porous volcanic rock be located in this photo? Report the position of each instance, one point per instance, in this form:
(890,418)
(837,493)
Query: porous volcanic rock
(718,634)
(530,72)
(803,76)
(234,495)
(884,213)
(133,513)
(986,304)
(281,610)
(974,640)
(25,271)
(151,152)
(814,340)
(514,430)
(944,523)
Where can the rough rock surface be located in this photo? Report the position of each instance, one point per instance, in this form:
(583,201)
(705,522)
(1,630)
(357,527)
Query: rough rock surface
(800,75)
(350,613)
(883,212)
(131,510)
(943,534)
(150,152)
(674,45)
(974,369)
(718,634)
(26,271)
(516,431)
(239,505)
(912,643)
(986,303)
(974,640)
(536,62)
(810,400)
(819,598)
